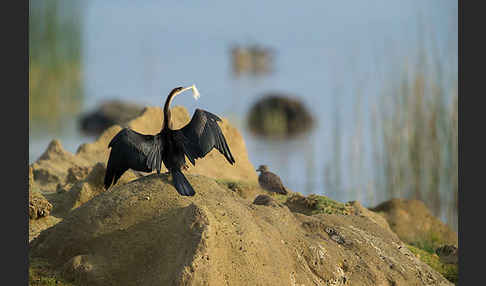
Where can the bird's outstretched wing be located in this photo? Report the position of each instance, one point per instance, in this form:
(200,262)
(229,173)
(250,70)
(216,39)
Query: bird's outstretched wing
(201,135)
(133,150)
(146,148)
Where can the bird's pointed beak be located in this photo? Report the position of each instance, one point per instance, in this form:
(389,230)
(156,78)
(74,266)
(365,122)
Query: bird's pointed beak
(196,93)
(184,89)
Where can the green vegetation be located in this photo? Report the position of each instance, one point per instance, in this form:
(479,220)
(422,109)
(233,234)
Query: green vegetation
(315,204)
(309,205)
(414,140)
(429,243)
(449,271)
(42,274)
(323,204)
(280,198)
(54,60)
(418,120)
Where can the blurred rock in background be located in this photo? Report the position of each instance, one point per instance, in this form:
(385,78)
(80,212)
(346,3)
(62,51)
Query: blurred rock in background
(109,113)
(253,59)
(280,116)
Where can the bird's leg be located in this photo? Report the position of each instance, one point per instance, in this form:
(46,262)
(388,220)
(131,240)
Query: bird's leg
(165,173)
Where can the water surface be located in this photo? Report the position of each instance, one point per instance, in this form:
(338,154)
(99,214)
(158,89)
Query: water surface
(330,54)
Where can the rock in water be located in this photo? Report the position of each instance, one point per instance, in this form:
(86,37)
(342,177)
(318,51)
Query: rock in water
(108,114)
(279,116)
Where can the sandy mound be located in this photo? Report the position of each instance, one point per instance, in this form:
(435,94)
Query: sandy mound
(413,222)
(52,167)
(144,233)
(38,205)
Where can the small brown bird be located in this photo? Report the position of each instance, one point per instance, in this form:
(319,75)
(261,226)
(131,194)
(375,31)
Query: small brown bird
(270,182)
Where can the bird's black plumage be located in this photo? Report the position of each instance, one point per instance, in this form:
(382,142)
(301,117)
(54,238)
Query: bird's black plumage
(145,153)
(203,134)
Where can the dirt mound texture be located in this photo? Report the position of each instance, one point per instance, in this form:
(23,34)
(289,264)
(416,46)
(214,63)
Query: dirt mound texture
(69,180)
(413,222)
(144,233)
(38,205)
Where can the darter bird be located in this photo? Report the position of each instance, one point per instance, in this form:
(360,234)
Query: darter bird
(145,153)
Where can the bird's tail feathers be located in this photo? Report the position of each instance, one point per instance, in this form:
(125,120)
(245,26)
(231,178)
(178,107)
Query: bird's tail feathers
(181,184)
(109,177)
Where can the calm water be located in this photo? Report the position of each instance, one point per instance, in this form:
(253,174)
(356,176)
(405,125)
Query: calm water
(328,53)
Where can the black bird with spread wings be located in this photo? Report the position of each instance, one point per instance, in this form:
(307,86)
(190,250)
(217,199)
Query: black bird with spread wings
(145,153)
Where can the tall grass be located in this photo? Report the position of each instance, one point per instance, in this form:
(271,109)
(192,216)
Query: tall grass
(332,169)
(54,59)
(417,118)
(414,140)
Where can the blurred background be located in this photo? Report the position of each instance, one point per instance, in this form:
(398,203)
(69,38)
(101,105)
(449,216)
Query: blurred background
(378,79)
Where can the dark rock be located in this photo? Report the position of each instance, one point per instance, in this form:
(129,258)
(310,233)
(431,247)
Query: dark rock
(280,116)
(334,235)
(264,200)
(447,254)
(108,114)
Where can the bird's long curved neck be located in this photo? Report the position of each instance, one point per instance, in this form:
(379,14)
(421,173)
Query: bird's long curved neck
(167,111)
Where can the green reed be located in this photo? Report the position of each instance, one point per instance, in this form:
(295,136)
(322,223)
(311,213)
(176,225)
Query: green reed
(418,119)
(55,71)
(414,140)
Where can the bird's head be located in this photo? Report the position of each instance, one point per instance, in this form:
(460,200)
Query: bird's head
(177,90)
(181,89)
(262,168)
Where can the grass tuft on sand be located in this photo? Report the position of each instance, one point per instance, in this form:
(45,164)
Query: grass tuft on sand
(42,274)
(449,271)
